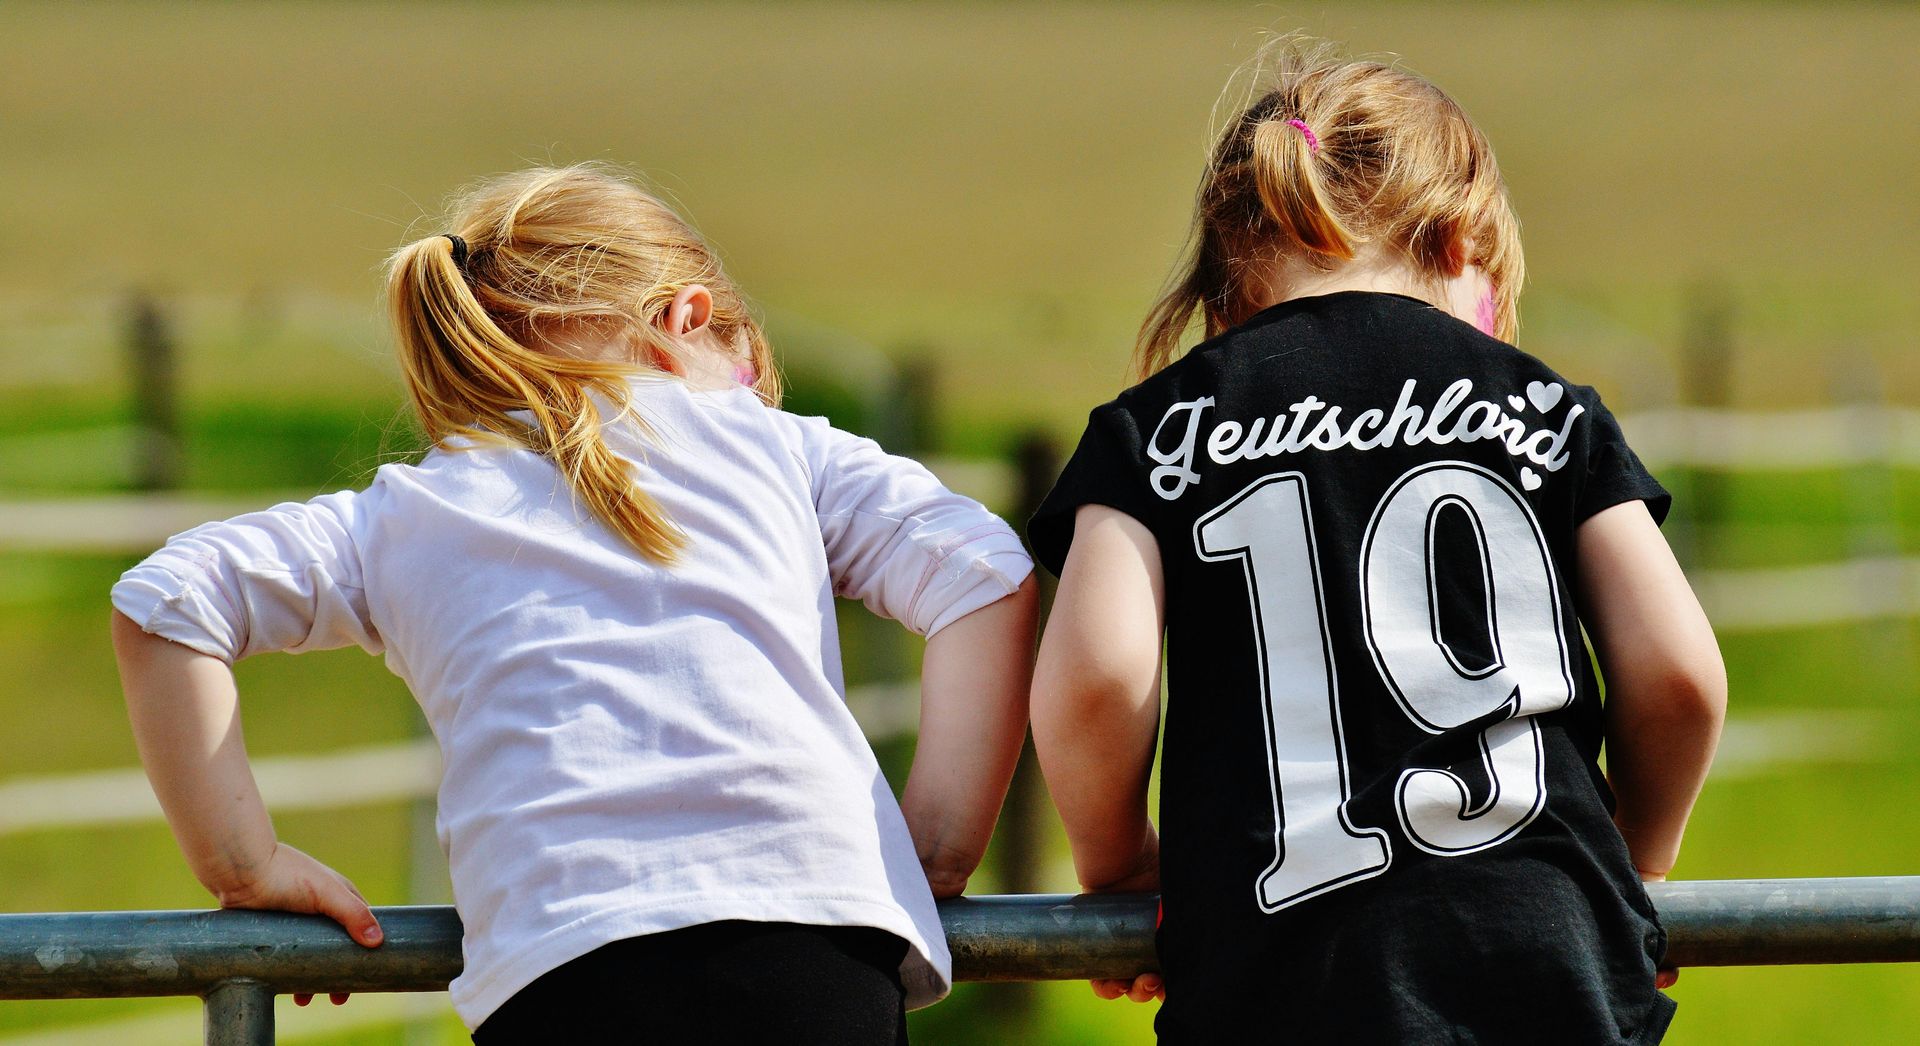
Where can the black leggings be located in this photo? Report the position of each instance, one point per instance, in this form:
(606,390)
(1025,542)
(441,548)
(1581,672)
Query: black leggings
(718,983)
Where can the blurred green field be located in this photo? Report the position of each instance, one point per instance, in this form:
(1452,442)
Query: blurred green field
(1004,185)
(999,188)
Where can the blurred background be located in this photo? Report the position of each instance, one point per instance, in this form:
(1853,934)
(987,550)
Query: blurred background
(954,217)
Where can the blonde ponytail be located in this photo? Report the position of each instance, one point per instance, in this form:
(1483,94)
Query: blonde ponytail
(1288,180)
(1334,154)
(556,257)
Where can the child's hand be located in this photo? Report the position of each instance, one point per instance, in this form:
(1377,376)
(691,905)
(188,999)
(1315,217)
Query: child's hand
(291,881)
(1144,878)
(947,869)
(1147,986)
(1666,976)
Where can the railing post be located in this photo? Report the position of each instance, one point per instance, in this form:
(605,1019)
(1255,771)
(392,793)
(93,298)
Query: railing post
(239,1012)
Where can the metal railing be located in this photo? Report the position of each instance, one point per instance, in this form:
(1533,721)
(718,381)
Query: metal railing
(238,961)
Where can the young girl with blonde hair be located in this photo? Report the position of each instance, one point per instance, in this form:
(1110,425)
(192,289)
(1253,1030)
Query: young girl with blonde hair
(1371,532)
(610,585)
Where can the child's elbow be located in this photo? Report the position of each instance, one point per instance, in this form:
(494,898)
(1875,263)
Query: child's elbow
(1699,683)
(1685,693)
(1092,690)
(1697,700)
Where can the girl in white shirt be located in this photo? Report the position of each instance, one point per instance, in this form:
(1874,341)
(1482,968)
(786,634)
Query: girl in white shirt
(610,586)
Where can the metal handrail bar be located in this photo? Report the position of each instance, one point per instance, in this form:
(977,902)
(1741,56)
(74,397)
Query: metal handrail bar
(994,938)
(238,960)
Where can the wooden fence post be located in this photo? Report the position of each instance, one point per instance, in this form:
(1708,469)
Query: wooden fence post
(1022,835)
(156,416)
(1706,366)
(1037,458)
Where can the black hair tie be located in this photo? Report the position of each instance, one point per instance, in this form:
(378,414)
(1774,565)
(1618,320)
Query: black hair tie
(459,250)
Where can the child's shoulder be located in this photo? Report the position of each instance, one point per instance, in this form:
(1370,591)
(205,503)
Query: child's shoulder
(459,471)
(1347,341)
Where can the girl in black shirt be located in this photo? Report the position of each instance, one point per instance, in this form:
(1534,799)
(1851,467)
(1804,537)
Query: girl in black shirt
(1371,533)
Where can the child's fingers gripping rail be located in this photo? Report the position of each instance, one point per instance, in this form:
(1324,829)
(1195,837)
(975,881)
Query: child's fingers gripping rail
(1666,976)
(293,881)
(1147,986)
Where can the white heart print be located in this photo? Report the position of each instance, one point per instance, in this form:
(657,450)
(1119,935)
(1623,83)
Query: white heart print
(1544,396)
(1518,403)
(1529,478)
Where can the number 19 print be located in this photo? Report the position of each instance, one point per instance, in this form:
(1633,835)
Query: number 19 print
(1268,528)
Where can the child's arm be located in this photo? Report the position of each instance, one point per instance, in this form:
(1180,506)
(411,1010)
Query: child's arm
(1666,685)
(186,721)
(1096,696)
(287,578)
(973,717)
(1096,708)
(942,565)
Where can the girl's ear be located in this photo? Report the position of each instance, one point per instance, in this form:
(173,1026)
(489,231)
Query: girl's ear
(1467,292)
(1459,255)
(689,311)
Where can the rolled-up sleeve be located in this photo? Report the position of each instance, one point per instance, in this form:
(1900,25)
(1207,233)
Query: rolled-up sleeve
(902,543)
(284,579)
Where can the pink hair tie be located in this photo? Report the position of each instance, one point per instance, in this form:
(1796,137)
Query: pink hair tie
(1313,141)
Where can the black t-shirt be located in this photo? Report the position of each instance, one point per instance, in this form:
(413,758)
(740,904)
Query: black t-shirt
(1382,818)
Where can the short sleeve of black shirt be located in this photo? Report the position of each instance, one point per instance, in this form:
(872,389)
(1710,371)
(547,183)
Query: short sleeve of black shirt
(1614,473)
(1104,470)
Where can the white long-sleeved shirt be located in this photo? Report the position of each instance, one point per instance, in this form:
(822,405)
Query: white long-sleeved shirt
(629,748)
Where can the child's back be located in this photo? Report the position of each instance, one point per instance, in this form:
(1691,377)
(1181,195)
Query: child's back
(1363,507)
(629,747)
